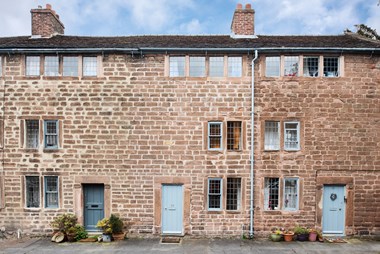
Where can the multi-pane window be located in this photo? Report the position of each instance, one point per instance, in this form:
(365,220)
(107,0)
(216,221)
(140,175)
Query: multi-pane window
(214,194)
(32,133)
(51,191)
(233,194)
(272,135)
(51,134)
(290,194)
(197,66)
(272,66)
(310,66)
(271,193)
(234,136)
(216,65)
(291,136)
(214,135)
(291,66)
(51,66)
(177,66)
(32,191)
(32,66)
(70,66)
(234,66)
(90,66)
(330,66)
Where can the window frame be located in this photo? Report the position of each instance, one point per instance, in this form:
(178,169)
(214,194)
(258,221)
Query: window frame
(46,192)
(26,133)
(26,192)
(231,68)
(233,133)
(239,194)
(194,68)
(71,73)
(278,136)
(215,194)
(28,66)
(266,205)
(178,72)
(286,148)
(56,72)
(85,73)
(284,194)
(56,134)
(209,136)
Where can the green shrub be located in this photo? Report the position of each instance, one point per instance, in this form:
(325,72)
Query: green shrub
(80,232)
(64,222)
(116,224)
(300,230)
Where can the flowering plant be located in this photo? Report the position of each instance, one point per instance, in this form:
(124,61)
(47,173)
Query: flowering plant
(278,231)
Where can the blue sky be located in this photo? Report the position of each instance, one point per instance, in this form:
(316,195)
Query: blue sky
(130,17)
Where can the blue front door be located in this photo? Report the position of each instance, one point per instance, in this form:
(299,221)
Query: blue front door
(334,207)
(93,205)
(172,212)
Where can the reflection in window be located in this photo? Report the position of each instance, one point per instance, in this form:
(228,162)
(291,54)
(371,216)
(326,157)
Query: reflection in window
(234,66)
(51,65)
(32,67)
(197,66)
(70,66)
(177,66)
(272,66)
(90,66)
(216,66)
(291,66)
(271,193)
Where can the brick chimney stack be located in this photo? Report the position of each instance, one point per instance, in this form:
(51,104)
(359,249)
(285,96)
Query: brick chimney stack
(45,22)
(243,21)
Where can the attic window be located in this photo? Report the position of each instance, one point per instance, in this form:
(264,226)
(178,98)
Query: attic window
(272,66)
(197,66)
(70,66)
(177,66)
(32,66)
(51,65)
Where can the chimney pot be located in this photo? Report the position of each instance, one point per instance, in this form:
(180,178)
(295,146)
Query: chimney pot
(239,6)
(248,6)
(48,6)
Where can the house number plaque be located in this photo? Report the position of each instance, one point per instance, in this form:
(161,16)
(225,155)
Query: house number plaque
(333,196)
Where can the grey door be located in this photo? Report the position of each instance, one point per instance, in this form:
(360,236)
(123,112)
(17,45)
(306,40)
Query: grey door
(172,212)
(333,209)
(93,205)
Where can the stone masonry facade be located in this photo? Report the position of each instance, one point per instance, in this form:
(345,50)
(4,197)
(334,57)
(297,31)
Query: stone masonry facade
(133,127)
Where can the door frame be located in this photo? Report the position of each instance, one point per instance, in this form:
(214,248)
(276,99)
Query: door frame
(344,211)
(79,195)
(186,189)
(162,212)
(348,182)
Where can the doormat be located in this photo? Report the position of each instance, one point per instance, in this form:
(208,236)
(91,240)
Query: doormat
(174,240)
(335,240)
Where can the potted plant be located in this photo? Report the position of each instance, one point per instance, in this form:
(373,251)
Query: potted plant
(80,232)
(302,233)
(71,234)
(276,234)
(288,235)
(64,224)
(105,225)
(117,227)
(313,234)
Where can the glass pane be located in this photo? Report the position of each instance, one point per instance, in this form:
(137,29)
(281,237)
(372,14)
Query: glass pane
(272,136)
(271,194)
(233,135)
(291,194)
(32,133)
(233,193)
(51,134)
(291,136)
(330,66)
(197,66)
(51,65)
(177,66)
(234,66)
(216,66)
(90,66)
(32,66)
(51,191)
(32,191)
(215,135)
(214,194)
(291,66)
(310,66)
(70,66)
(272,66)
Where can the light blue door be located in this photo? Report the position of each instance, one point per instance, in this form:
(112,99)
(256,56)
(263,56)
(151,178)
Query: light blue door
(334,206)
(172,211)
(93,205)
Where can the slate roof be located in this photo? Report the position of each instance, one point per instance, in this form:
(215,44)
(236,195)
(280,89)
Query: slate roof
(195,42)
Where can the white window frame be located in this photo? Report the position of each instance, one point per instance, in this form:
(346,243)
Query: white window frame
(221,136)
(51,192)
(272,147)
(55,134)
(284,194)
(298,135)
(220,194)
(26,192)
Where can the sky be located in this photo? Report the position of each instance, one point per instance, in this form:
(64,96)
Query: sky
(157,17)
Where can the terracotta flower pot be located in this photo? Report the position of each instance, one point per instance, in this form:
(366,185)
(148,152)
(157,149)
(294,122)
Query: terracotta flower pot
(288,237)
(313,236)
(118,236)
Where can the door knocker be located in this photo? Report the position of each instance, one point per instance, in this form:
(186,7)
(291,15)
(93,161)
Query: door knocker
(333,196)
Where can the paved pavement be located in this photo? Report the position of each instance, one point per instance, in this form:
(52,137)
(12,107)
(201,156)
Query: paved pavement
(193,246)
